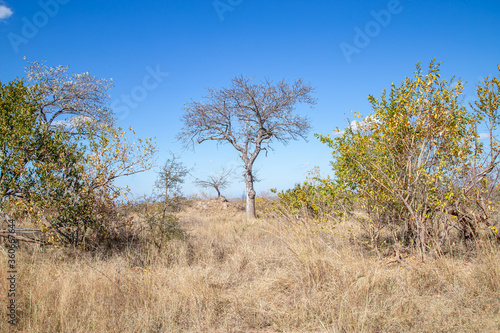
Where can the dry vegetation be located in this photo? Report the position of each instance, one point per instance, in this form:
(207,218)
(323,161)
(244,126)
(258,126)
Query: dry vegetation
(273,274)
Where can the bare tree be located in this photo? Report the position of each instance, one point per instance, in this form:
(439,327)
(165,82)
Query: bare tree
(250,117)
(218,181)
(70,101)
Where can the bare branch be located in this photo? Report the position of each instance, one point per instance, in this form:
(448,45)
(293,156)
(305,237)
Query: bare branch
(218,181)
(70,101)
(250,116)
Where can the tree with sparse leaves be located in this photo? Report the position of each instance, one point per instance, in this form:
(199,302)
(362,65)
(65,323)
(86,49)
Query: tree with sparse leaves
(171,176)
(87,209)
(251,117)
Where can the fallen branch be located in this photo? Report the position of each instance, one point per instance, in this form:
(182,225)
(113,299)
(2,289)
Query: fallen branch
(16,235)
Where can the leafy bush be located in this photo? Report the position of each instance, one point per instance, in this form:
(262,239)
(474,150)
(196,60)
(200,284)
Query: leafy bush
(60,173)
(318,198)
(416,165)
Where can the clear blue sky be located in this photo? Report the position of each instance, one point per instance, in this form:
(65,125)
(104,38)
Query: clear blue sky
(346,49)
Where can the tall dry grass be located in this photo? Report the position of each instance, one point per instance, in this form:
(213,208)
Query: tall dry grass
(267,275)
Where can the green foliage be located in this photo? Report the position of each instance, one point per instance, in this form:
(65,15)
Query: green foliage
(84,214)
(317,197)
(418,158)
(62,182)
(316,200)
(30,156)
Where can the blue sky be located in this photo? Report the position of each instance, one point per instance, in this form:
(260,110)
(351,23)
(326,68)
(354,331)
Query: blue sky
(347,50)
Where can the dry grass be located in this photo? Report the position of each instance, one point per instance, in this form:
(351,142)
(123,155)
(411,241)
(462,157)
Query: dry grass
(276,275)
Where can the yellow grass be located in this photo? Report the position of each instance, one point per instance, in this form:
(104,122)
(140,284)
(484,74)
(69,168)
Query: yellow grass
(274,275)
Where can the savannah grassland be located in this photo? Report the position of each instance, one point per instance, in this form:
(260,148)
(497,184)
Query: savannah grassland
(272,274)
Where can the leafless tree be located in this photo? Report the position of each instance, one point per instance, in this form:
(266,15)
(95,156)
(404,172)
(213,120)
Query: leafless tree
(71,101)
(250,117)
(218,181)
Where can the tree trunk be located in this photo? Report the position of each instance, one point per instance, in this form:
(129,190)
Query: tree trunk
(469,232)
(250,194)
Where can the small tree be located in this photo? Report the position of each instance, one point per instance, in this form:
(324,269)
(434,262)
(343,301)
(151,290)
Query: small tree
(250,117)
(218,181)
(171,177)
